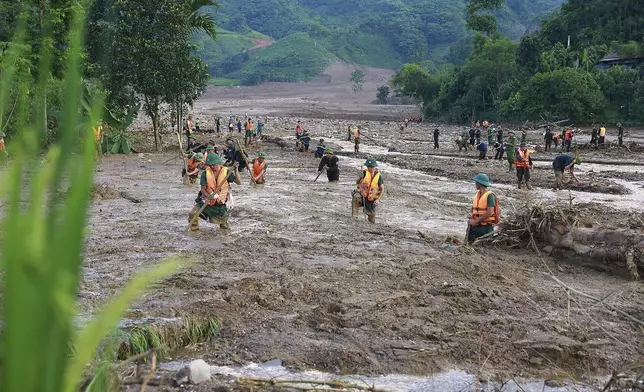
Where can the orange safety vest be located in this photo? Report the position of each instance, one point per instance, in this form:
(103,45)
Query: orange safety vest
(569,134)
(219,186)
(479,208)
(602,131)
(192,164)
(368,187)
(258,167)
(523,159)
(98,133)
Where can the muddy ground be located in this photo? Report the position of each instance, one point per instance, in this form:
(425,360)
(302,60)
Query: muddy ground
(298,279)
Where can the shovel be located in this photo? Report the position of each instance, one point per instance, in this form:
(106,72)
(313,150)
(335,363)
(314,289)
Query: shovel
(203,207)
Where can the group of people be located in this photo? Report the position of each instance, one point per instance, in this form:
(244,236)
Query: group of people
(251,129)
(216,172)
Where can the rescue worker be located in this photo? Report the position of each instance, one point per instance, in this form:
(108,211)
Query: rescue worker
(602,135)
(620,134)
(524,165)
(485,210)
(564,163)
(490,136)
(230,152)
(331,162)
(248,128)
(305,139)
(189,126)
(356,139)
(260,128)
(499,136)
(349,132)
(556,139)
(194,163)
(98,139)
(370,189)
(3,150)
(593,137)
(477,136)
(547,138)
(239,126)
(298,134)
(197,129)
(464,137)
(482,149)
(192,144)
(231,126)
(473,135)
(319,150)
(500,150)
(568,139)
(510,151)
(436,135)
(214,192)
(524,137)
(218,125)
(259,169)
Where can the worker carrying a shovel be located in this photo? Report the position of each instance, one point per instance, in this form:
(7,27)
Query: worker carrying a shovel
(259,169)
(485,210)
(329,161)
(370,189)
(210,204)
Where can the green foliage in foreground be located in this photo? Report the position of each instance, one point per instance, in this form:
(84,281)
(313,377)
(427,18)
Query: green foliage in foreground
(43,233)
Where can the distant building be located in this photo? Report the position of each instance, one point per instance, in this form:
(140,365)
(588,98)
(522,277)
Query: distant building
(613,58)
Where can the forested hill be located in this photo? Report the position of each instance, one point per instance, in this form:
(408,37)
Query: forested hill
(309,34)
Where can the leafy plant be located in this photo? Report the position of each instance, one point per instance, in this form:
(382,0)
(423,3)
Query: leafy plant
(383,94)
(41,348)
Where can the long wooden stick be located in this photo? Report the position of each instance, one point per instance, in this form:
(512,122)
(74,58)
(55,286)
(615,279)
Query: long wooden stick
(243,154)
(186,178)
(201,210)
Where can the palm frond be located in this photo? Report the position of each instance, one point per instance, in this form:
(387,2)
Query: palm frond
(201,21)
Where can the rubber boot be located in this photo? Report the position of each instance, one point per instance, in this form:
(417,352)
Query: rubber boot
(509,166)
(194,226)
(371,217)
(519,184)
(222,221)
(355,207)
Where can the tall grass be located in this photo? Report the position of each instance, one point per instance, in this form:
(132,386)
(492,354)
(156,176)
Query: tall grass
(42,239)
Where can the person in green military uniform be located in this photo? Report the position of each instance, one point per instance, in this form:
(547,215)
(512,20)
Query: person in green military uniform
(510,146)
(369,191)
(463,144)
(490,136)
(485,210)
(3,150)
(215,192)
(620,134)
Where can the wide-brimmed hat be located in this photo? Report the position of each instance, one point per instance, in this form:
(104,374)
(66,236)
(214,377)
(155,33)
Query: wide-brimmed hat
(371,162)
(482,179)
(213,159)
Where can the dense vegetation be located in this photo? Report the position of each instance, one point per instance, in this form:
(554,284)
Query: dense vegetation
(541,76)
(138,54)
(379,33)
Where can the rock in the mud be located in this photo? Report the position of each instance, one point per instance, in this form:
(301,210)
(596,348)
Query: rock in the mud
(554,383)
(547,249)
(195,373)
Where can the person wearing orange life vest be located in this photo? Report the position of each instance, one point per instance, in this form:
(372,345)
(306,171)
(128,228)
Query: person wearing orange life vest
(568,134)
(259,168)
(3,150)
(215,191)
(194,163)
(485,210)
(523,165)
(370,189)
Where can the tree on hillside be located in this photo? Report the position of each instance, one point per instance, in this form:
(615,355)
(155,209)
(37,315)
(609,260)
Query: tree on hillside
(151,54)
(479,17)
(383,94)
(357,78)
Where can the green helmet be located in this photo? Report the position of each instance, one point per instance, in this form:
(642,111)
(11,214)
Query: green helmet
(371,162)
(261,155)
(328,150)
(2,134)
(199,157)
(210,148)
(190,155)
(213,159)
(482,179)
(577,161)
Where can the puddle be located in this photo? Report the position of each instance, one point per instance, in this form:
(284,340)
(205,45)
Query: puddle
(449,381)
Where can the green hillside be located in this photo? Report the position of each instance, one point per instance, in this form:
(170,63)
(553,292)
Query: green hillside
(379,33)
